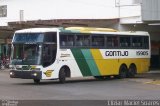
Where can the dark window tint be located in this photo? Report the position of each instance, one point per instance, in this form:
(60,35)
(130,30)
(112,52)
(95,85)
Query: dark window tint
(50,37)
(146,42)
(137,41)
(66,40)
(49,52)
(125,42)
(28,37)
(82,40)
(111,41)
(98,41)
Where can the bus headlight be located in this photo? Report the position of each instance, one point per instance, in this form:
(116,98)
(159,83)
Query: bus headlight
(35,74)
(11,73)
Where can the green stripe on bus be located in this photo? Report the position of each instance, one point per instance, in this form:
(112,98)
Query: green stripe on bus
(85,70)
(90,61)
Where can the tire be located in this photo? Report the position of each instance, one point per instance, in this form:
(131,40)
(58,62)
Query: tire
(36,81)
(132,71)
(101,77)
(98,77)
(122,72)
(62,76)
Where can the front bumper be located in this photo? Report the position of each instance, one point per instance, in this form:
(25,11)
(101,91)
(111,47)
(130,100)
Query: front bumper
(26,74)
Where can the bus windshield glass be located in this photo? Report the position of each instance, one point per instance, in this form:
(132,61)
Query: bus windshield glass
(26,54)
(28,37)
(28,47)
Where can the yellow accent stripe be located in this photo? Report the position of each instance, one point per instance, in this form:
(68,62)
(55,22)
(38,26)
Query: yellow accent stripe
(98,60)
(105,66)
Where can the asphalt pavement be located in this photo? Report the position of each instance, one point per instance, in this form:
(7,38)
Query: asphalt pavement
(142,87)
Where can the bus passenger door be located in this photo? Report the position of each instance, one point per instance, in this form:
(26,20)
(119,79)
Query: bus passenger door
(48,54)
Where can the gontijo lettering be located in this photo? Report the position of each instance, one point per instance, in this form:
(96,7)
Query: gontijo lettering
(116,53)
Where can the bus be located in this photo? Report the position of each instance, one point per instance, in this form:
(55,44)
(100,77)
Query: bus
(59,53)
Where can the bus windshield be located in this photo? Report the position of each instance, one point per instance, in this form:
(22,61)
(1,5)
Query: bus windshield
(26,54)
(28,37)
(27,48)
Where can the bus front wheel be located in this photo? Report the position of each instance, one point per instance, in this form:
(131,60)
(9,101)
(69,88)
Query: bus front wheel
(62,76)
(36,81)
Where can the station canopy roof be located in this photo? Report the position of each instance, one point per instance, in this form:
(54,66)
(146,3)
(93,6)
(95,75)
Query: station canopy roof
(7,31)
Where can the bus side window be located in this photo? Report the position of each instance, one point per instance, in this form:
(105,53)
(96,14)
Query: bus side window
(69,43)
(51,37)
(125,42)
(66,40)
(145,42)
(98,41)
(78,43)
(112,41)
(82,40)
(63,40)
(137,41)
(63,43)
(86,42)
(78,40)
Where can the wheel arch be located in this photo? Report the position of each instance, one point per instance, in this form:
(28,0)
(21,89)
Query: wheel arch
(122,71)
(133,65)
(67,70)
(123,65)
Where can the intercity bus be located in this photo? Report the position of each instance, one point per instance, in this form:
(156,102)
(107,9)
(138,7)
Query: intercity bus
(58,53)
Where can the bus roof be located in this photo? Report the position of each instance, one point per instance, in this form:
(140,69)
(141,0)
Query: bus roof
(102,31)
(82,30)
(143,33)
(68,29)
(90,29)
(32,30)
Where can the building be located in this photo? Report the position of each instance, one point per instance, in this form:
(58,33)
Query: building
(148,20)
(119,14)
